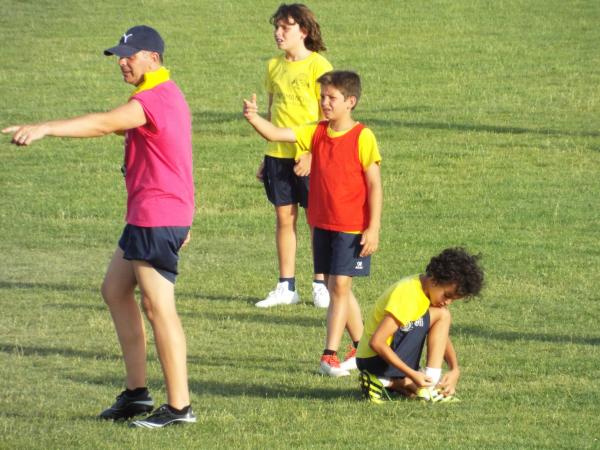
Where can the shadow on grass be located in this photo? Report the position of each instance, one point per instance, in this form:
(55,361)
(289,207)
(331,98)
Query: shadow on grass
(96,291)
(215,387)
(49,286)
(226,298)
(375,118)
(225,389)
(34,350)
(480,128)
(265,317)
(512,336)
(239,362)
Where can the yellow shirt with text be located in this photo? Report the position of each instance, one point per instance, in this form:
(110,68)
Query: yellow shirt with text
(404,300)
(296,96)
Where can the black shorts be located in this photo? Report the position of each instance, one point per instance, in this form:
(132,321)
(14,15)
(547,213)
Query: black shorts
(336,253)
(158,246)
(407,343)
(282,185)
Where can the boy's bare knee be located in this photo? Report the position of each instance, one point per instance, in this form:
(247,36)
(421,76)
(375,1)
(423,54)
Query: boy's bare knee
(340,290)
(440,315)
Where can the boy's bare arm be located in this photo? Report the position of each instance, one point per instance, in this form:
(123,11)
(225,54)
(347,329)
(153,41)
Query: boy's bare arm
(387,327)
(129,115)
(265,128)
(450,379)
(370,236)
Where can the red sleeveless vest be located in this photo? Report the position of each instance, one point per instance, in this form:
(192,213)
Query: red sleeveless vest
(337,198)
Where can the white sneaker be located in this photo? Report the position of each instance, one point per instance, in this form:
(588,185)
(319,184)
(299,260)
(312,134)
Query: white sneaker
(320,295)
(280,296)
(349,362)
(429,394)
(330,365)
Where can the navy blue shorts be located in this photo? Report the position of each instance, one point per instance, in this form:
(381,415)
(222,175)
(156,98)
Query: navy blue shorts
(282,185)
(158,246)
(336,253)
(407,343)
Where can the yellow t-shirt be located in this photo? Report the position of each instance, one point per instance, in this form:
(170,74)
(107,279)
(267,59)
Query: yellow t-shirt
(404,300)
(368,151)
(296,96)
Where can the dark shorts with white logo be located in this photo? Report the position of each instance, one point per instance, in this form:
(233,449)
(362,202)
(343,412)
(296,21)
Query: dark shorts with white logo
(158,246)
(336,253)
(407,343)
(282,185)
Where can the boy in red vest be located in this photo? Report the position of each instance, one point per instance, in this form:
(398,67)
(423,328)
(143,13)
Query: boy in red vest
(344,202)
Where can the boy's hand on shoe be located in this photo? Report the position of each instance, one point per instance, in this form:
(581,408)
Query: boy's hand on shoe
(420,379)
(369,242)
(449,381)
(250,108)
(302,166)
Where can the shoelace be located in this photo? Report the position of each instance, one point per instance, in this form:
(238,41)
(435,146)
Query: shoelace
(332,360)
(351,353)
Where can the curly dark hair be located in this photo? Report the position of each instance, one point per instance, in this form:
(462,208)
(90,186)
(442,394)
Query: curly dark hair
(305,18)
(456,265)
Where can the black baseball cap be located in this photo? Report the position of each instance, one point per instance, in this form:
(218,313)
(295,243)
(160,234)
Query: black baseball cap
(140,37)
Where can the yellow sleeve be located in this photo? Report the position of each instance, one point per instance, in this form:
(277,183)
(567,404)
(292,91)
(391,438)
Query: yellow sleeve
(398,304)
(304,135)
(368,152)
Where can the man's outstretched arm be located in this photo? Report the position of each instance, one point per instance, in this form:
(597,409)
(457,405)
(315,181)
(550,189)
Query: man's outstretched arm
(124,117)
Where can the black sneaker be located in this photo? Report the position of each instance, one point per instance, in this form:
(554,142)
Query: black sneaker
(126,407)
(163,417)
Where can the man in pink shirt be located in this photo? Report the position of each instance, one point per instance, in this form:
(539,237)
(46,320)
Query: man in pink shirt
(156,122)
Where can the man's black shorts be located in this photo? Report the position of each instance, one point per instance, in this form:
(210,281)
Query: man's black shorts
(158,246)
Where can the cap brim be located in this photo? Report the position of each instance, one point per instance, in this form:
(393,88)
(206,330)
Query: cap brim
(123,51)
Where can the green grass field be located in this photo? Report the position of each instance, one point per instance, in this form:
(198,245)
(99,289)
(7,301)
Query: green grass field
(487,115)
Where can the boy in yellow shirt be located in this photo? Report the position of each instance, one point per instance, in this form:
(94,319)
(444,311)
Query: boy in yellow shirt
(409,312)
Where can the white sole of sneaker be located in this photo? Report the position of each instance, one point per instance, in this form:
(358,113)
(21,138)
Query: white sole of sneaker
(335,373)
(349,364)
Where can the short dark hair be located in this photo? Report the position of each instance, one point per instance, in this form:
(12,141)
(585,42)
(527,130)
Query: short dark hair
(305,18)
(345,81)
(456,265)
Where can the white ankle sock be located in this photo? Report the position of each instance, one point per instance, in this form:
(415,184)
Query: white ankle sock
(434,374)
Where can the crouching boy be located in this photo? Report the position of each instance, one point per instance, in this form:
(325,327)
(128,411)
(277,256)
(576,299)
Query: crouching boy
(409,312)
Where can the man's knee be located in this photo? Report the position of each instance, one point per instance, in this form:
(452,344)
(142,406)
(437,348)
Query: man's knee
(148,308)
(108,292)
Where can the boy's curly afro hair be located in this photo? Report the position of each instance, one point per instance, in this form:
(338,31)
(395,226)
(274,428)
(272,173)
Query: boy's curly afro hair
(455,265)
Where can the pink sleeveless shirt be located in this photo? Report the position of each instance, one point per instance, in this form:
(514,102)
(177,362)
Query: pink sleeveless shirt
(158,161)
